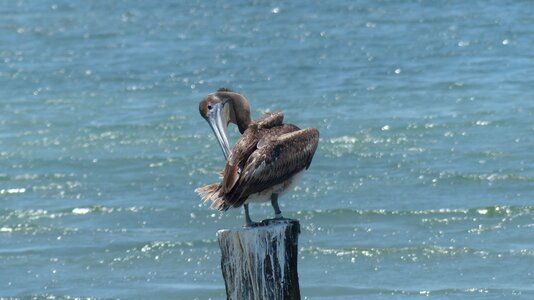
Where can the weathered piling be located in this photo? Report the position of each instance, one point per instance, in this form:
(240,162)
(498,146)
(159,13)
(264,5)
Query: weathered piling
(261,262)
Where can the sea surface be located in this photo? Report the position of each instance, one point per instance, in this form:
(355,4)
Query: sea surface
(422,185)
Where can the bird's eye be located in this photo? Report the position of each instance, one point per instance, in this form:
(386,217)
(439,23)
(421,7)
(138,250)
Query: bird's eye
(210,107)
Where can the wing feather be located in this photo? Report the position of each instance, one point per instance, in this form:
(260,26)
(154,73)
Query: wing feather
(253,138)
(269,120)
(274,162)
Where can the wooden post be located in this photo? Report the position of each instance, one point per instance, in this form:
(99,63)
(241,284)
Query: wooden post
(261,262)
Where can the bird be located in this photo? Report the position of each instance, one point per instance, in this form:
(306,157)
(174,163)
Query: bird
(266,161)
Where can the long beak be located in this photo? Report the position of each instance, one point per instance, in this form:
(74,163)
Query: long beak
(218,125)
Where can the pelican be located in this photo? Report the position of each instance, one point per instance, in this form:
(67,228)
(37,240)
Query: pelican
(266,161)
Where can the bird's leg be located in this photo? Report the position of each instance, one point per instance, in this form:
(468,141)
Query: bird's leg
(248,221)
(277,211)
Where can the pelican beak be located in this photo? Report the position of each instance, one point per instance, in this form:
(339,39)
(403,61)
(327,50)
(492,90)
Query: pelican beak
(217,119)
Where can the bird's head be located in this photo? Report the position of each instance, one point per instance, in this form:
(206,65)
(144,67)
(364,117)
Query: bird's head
(221,108)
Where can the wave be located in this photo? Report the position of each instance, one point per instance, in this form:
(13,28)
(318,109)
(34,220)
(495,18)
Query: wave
(31,215)
(487,211)
(412,253)
(37,214)
(348,292)
(427,251)
(457,177)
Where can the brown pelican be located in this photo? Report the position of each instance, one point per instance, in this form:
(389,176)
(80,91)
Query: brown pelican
(266,161)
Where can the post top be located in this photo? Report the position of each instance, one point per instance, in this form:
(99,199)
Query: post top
(264,225)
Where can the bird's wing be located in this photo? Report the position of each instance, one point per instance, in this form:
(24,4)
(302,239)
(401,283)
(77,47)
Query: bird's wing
(252,139)
(269,120)
(277,160)
(238,156)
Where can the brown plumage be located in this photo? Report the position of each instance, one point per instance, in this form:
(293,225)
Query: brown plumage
(263,162)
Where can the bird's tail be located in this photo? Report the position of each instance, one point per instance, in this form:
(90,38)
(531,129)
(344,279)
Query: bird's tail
(212,192)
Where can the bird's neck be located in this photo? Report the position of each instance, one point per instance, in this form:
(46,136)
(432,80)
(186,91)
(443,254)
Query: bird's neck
(240,112)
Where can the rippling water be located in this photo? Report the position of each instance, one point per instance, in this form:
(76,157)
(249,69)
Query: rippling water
(422,184)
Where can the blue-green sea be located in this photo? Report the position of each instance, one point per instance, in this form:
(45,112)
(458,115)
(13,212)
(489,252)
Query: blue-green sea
(422,185)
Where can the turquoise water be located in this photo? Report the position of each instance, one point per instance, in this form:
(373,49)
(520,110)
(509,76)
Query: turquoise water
(422,186)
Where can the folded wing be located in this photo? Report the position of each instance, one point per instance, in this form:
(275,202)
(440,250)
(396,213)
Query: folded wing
(275,160)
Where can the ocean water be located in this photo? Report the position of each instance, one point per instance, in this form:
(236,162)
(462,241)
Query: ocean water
(422,185)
